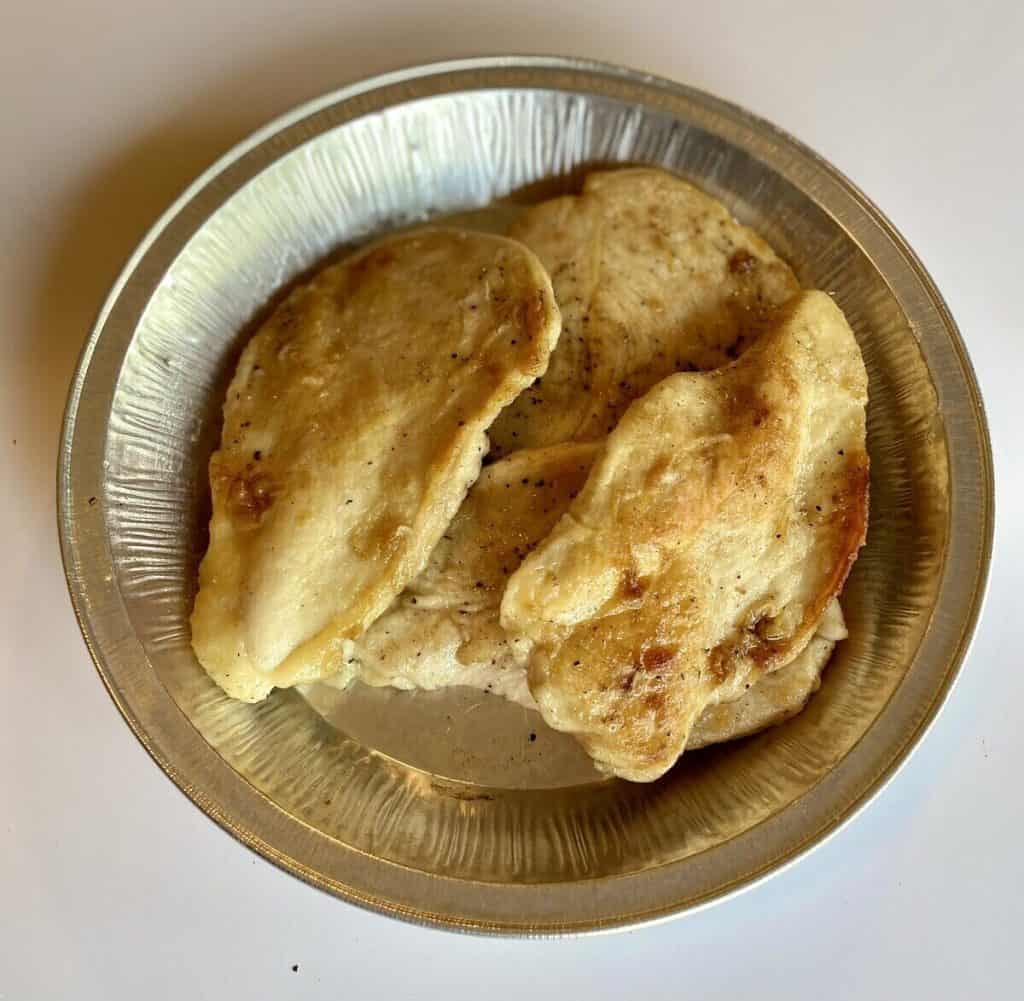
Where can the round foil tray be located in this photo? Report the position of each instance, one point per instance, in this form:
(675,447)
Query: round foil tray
(439,807)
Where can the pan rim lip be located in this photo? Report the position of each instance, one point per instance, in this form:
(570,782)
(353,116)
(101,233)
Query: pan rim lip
(74,532)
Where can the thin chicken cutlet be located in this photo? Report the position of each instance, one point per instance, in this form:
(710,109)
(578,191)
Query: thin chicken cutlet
(652,276)
(354,425)
(720,519)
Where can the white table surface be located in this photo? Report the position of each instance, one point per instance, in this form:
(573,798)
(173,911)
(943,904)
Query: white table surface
(112,885)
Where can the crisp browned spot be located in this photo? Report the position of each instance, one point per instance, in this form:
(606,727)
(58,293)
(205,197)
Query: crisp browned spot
(658,469)
(745,405)
(378,540)
(755,647)
(721,661)
(724,658)
(760,415)
(524,313)
(854,498)
(765,627)
(853,512)
(531,318)
(853,492)
(249,497)
(765,653)
(632,585)
(657,656)
(741,262)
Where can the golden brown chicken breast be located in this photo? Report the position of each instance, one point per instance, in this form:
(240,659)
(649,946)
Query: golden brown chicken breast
(720,518)
(353,428)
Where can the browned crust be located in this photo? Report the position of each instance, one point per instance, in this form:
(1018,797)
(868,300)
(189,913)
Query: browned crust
(852,508)
(765,656)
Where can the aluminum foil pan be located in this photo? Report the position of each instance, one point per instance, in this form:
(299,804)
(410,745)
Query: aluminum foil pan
(439,808)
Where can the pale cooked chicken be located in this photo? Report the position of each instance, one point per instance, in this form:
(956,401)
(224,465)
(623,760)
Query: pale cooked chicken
(721,517)
(777,696)
(443,630)
(652,277)
(353,428)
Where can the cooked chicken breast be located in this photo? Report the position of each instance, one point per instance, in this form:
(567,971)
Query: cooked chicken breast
(720,518)
(652,277)
(443,630)
(777,696)
(353,428)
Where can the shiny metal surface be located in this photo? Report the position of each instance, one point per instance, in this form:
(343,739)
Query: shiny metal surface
(439,808)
